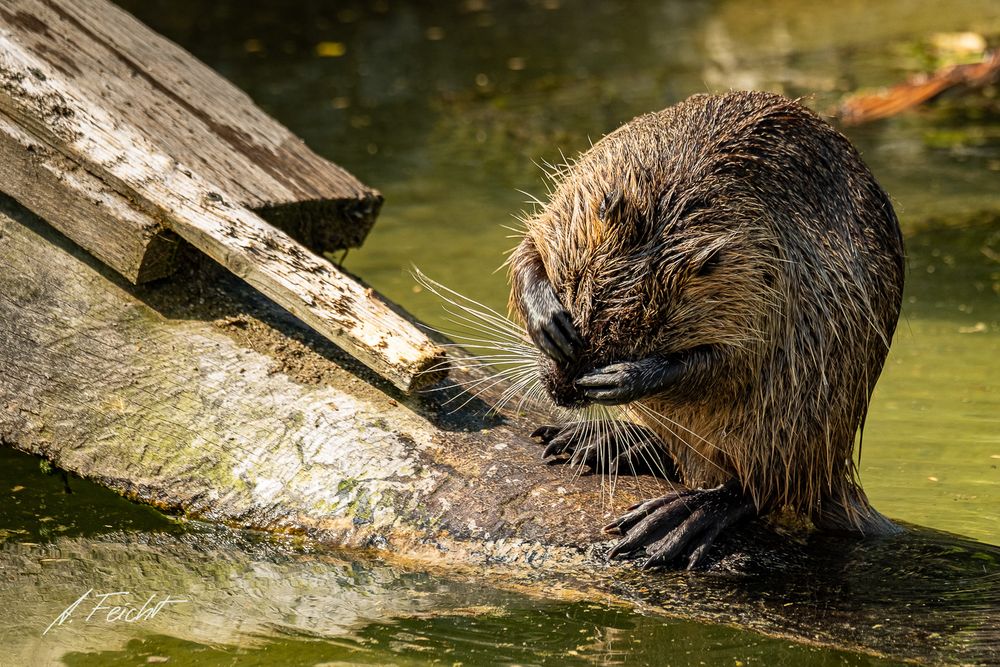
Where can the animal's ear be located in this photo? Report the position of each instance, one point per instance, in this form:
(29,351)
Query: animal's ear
(612,206)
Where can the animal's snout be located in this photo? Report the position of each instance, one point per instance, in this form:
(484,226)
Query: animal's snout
(560,381)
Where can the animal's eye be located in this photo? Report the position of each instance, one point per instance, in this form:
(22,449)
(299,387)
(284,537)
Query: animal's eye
(709,263)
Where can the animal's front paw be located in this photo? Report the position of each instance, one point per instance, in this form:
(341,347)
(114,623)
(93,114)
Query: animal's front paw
(628,381)
(608,447)
(683,524)
(614,384)
(550,325)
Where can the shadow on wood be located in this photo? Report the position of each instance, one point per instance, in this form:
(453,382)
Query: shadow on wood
(122,140)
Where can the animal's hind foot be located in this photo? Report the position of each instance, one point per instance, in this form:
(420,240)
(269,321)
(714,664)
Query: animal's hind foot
(616,448)
(678,525)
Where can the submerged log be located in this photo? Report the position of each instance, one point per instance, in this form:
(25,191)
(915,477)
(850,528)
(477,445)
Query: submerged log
(201,398)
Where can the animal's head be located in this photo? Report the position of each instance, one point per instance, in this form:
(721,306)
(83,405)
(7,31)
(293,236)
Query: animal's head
(659,246)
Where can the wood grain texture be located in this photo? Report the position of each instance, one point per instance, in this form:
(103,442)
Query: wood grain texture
(131,158)
(194,115)
(170,410)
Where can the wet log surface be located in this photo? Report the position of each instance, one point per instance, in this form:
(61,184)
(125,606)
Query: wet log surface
(208,401)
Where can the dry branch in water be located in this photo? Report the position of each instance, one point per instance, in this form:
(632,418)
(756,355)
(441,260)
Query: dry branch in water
(864,108)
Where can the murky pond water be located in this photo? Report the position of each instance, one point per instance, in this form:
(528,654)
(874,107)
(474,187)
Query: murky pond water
(449,111)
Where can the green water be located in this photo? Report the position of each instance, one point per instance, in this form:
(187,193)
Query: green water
(449,111)
(260,600)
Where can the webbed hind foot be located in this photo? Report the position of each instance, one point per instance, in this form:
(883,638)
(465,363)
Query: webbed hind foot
(682,524)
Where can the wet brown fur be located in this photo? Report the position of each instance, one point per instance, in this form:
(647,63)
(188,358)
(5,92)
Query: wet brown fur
(746,223)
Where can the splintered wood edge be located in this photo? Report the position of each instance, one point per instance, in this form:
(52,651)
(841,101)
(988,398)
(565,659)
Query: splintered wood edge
(310,287)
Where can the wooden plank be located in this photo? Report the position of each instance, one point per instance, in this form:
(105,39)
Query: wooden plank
(127,239)
(34,94)
(196,117)
(199,414)
(247,421)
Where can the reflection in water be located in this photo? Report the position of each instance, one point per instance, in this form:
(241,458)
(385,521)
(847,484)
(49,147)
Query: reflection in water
(448,110)
(258,600)
(920,595)
(37,507)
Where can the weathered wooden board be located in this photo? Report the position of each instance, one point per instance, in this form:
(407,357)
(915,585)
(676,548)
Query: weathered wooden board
(117,232)
(98,130)
(198,396)
(195,116)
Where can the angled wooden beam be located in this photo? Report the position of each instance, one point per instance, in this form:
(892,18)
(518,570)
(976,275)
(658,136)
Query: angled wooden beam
(72,200)
(196,175)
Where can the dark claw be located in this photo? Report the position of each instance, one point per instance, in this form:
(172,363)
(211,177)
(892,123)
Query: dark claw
(687,522)
(697,558)
(669,547)
(544,341)
(607,385)
(621,447)
(633,459)
(651,529)
(588,454)
(551,327)
(581,455)
(569,335)
(638,512)
(607,377)
(559,444)
(547,320)
(627,381)
(556,438)
(546,432)
(557,337)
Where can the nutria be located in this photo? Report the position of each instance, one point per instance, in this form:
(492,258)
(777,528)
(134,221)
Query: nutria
(729,271)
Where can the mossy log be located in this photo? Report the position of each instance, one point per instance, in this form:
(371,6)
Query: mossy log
(228,419)
(200,397)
